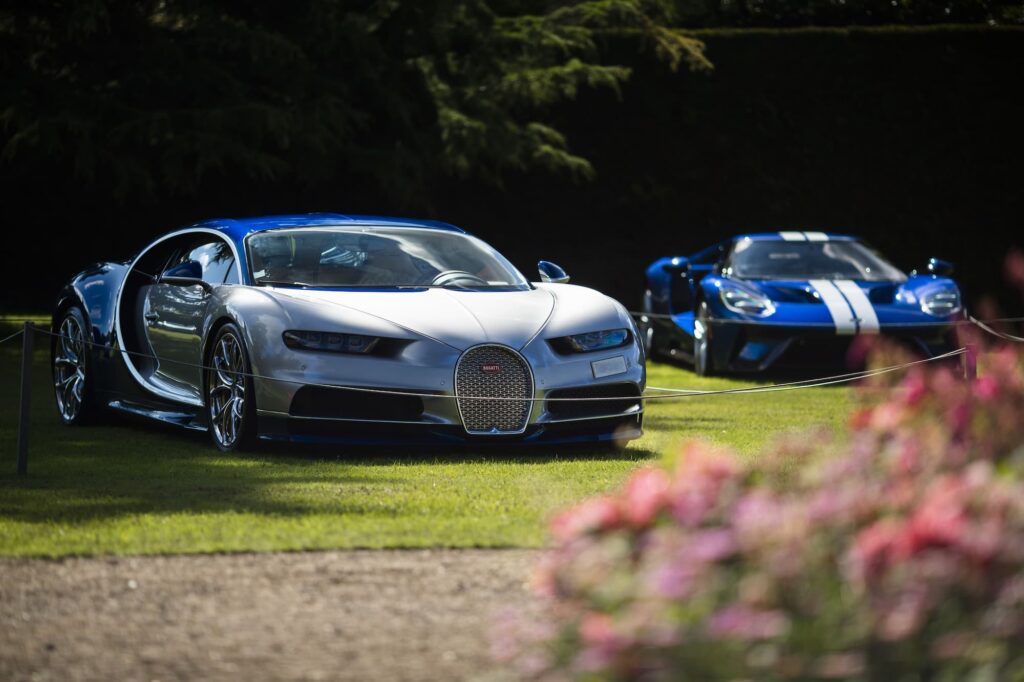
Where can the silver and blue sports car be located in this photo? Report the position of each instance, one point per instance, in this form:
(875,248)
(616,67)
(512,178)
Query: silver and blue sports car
(792,300)
(339,328)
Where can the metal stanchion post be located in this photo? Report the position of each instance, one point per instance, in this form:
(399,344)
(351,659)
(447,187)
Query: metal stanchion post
(970,360)
(27,339)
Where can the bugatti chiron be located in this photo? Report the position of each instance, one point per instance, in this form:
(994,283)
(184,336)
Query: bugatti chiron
(339,328)
(792,300)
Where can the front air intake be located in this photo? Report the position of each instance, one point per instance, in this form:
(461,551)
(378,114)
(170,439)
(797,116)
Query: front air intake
(493,372)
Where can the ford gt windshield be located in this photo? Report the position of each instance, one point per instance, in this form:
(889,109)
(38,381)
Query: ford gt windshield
(778,259)
(377,257)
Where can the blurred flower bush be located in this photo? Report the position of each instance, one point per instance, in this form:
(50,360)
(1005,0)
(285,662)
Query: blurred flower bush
(892,552)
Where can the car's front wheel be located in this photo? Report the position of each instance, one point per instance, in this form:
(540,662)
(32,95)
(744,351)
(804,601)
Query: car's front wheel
(230,394)
(703,360)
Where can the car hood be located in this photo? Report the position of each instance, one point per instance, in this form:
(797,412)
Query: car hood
(458,318)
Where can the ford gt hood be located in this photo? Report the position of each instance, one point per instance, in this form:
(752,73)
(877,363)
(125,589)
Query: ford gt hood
(457,318)
(851,306)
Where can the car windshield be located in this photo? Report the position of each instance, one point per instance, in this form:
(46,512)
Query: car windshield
(778,259)
(377,257)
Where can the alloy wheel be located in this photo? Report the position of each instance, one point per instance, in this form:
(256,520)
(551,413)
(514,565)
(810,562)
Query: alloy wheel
(226,395)
(69,368)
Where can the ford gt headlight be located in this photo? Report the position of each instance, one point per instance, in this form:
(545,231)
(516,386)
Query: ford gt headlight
(592,341)
(941,302)
(329,341)
(745,302)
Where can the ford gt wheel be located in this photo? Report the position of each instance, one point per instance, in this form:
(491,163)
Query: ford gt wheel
(703,364)
(75,404)
(230,399)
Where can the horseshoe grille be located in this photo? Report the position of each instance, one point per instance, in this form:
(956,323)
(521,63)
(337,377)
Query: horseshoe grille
(498,372)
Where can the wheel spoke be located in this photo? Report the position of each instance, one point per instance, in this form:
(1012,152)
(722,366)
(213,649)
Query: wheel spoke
(69,370)
(226,390)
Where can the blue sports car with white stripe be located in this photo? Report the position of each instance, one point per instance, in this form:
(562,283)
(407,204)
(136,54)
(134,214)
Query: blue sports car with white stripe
(792,300)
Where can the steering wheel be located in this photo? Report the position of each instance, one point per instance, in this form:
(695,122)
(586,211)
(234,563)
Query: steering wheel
(449,277)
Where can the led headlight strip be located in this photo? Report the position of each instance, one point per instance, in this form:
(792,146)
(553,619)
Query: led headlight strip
(331,342)
(745,302)
(592,341)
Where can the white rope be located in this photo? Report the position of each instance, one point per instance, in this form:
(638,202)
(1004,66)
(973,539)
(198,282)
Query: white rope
(828,325)
(995,332)
(668,393)
(14,335)
(817,382)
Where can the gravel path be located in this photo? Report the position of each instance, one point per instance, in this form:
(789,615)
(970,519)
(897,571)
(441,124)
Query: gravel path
(352,615)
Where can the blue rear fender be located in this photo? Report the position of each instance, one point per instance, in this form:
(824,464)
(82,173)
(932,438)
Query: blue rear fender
(95,290)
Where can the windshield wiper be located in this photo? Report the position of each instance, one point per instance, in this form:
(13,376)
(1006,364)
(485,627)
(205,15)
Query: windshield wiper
(283,283)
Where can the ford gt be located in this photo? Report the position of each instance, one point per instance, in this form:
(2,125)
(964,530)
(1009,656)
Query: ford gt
(336,328)
(792,300)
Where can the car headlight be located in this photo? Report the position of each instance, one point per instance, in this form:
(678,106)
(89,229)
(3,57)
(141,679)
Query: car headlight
(592,341)
(332,342)
(941,302)
(746,302)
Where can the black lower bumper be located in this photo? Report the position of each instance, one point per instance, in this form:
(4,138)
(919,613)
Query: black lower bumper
(301,430)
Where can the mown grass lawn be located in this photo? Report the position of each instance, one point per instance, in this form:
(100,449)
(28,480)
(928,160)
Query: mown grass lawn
(136,488)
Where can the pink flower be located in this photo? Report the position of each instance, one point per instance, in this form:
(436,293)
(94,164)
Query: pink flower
(709,546)
(859,419)
(986,388)
(599,513)
(886,416)
(939,521)
(600,641)
(738,621)
(645,496)
(1014,268)
(674,579)
(915,388)
(756,517)
(872,548)
(596,630)
(904,616)
(700,477)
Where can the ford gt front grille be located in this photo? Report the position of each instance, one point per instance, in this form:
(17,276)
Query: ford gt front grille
(493,372)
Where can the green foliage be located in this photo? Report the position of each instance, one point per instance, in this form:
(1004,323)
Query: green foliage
(154,97)
(895,552)
(767,13)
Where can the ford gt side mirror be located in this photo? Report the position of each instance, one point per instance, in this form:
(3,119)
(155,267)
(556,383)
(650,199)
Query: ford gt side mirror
(187,274)
(549,272)
(677,267)
(940,268)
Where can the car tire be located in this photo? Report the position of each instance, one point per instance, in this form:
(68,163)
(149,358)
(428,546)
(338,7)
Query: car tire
(71,366)
(703,357)
(229,391)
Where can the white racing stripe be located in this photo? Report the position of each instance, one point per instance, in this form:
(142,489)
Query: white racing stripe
(862,307)
(816,236)
(838,308)
(793,236)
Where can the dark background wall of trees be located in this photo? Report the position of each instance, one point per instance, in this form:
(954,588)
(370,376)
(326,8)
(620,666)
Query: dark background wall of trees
(912,137)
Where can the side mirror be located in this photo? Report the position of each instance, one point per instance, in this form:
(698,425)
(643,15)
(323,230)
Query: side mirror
(187,274)
(549,272)
(677,267)
(940,268)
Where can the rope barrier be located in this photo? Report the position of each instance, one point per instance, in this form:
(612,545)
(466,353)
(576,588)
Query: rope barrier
(994,332)
(970,320)
(667,393)
(12,336)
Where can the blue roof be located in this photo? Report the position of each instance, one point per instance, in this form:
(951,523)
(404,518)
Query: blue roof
(238,228)
(796,235)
